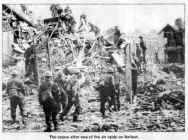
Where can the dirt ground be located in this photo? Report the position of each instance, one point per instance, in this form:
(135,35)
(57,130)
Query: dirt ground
(129,119)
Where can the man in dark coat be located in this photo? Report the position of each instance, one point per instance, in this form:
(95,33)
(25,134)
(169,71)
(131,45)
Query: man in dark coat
(143,47)
(16,92)
(73,98)
(49,98)
(69,20)
(107,94)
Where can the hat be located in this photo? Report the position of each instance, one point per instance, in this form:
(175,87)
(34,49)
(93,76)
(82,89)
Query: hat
(14,73)
(48,74)
(68,10)
(83,16)
(140,36)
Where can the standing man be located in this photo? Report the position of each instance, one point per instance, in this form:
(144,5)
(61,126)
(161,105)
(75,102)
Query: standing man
(143,47)
(69,20)
(71,91)
(86,26)
(138,56)
(31,64)
(16,92)
(49,99)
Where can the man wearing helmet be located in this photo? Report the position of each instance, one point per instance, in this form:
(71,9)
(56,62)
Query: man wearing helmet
(86,26)
(69,20)
(69,95)
(16,92)
(49,98)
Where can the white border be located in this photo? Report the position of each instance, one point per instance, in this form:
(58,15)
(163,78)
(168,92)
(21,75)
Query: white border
(141,135)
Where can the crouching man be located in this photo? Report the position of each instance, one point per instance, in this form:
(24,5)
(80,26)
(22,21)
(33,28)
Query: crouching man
(49,98)
(73,99)
(107,95)
(16,92)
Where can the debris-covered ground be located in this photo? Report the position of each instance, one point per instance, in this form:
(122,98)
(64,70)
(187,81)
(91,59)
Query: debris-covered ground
(158,106)
(55,45)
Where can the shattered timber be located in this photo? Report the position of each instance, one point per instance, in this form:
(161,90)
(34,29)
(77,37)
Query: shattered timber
(105,81)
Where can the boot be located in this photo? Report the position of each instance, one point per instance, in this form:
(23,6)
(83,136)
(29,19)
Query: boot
(13,120)
(23,121)
(75,118)
(48,129)
(55,127)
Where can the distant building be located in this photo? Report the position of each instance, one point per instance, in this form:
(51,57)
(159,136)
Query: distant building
(174,47)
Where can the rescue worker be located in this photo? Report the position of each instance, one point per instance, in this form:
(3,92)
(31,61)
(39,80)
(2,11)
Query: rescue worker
(83,27)
(69,20)
(116,83)
(86,26)
(49,98)
(143,47)
(138,51)
(16,92)
(61,81)
(30,64)
(73,98)
(107,94)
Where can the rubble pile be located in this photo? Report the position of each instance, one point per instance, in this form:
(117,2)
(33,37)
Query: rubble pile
(158,104)
(147,96)
(177,69)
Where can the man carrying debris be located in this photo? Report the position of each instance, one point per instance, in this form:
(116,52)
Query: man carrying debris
(49,98)
(73,97)
(61,82)
(107,93)
(16,92)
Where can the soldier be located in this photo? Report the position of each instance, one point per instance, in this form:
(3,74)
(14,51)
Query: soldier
(16,92)
(73,98)
(69,20)
(49,98)
(86,26)
(61,84)
(107,94)
(116,83)
(30,63)
(143,47)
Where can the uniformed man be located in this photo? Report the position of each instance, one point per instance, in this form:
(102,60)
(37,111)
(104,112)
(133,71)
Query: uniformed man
(69,20)
(143,47)
(138,57)
(86,26)
(16,92)
(30,63)
(61,82)
(73,98)
(49,98)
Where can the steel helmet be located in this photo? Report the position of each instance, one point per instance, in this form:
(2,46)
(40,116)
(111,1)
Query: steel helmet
(48,74)
(68,10)
(14,73)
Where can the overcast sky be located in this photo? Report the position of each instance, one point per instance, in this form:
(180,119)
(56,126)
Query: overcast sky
(128,17)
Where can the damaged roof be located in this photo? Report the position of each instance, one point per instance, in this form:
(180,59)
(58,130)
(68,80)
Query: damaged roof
(17,14)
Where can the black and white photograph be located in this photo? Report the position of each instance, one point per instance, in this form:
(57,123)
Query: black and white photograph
(93,67)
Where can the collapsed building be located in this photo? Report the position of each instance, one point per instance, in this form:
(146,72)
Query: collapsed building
(16,28)
(175,43)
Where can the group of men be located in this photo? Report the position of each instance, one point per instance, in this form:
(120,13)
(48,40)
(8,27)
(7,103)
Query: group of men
(60,95)
(54,96)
